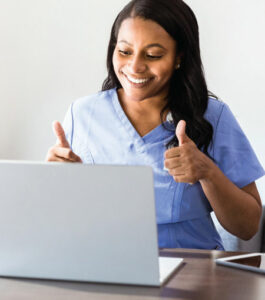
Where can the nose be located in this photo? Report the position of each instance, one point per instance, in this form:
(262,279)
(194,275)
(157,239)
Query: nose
(137,65)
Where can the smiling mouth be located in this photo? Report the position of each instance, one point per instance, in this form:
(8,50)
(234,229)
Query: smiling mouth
(139,82)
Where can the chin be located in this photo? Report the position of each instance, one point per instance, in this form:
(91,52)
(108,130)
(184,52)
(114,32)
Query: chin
(137,95)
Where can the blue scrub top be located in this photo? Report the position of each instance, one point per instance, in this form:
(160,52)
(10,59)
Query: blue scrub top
(99,132)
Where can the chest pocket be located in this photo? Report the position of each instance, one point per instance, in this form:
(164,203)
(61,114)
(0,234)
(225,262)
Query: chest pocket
(168,197)
(194,203)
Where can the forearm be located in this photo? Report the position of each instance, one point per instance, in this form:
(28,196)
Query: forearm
(238,211)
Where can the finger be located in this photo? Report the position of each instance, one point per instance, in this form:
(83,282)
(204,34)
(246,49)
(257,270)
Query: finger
(178,171)
(172,152)
(64,160)
(184,178)
(66,153)
(172,163)
(181,133)
(178,178)
(55,158)
(59,132)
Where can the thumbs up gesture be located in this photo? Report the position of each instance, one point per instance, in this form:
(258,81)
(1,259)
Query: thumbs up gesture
(186,163)
(61,151)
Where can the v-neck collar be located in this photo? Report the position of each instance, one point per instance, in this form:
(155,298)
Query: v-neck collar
(130,128)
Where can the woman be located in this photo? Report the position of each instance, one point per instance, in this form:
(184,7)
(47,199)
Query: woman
(155,109)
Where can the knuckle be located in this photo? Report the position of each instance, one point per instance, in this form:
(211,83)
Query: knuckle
(50,154)
(171,172)
(166,163)
(51,150)
(69,153)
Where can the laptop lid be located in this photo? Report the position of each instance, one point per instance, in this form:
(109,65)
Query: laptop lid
(78,222)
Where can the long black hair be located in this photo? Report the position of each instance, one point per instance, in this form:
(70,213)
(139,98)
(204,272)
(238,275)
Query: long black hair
(188,94)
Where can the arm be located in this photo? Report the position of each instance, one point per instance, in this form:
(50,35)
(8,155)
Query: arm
(238,210)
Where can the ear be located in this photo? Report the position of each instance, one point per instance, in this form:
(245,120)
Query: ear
(178,61)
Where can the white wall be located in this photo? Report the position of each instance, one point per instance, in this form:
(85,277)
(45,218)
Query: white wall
(51,52)
(233,51)
(54,51)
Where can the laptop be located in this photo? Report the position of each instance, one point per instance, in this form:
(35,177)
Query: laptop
(80,222)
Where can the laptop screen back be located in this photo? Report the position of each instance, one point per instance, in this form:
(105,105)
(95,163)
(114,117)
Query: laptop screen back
(78,222)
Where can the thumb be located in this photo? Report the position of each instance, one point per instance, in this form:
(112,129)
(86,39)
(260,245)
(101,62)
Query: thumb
(59,132)
(181,133)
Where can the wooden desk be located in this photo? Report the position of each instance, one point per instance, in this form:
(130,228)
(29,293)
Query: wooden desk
(198,278)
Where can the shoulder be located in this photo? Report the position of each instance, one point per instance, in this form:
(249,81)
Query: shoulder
(87,103)
(215,110)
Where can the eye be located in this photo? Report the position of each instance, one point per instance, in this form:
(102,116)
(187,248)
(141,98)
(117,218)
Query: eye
(124,53)
(154,56)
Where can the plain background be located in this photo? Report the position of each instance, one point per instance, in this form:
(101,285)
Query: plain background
(54,51)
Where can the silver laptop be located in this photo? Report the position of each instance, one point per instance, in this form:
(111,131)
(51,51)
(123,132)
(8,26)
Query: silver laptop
(80,222)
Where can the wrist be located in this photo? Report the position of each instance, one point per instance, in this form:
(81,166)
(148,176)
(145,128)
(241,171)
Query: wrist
(210,171)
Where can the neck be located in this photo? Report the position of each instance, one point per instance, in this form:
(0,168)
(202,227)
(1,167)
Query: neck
(149,106)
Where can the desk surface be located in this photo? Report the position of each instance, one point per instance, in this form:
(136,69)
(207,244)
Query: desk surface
(198,278)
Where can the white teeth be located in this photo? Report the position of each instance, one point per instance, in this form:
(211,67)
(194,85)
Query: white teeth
(137,80)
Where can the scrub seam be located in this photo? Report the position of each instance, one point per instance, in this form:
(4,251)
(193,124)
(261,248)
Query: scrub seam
(180,194)
(217,123)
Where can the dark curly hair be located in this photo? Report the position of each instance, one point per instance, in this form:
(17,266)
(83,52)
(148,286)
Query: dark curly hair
(188,94)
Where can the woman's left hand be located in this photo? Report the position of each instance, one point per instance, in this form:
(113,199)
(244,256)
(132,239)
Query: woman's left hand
(186,163)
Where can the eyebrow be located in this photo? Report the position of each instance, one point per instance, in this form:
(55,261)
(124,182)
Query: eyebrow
(148,46)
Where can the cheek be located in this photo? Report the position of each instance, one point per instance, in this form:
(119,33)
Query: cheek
(168,72)
(165,73)
(165,68)
(117,61)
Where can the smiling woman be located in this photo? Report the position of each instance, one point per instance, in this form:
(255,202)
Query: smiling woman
(155,109)
(142,67)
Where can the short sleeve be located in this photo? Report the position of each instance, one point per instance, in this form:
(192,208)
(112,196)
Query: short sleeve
(68,125)
(76,134)
(232,151)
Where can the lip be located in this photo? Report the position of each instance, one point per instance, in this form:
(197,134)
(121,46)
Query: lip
(137,85)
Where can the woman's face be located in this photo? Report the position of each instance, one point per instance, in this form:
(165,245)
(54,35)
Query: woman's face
(144,59)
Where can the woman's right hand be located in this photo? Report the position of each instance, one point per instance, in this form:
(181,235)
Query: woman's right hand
(61,151)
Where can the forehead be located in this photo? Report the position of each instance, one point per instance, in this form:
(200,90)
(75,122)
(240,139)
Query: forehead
(140,31)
